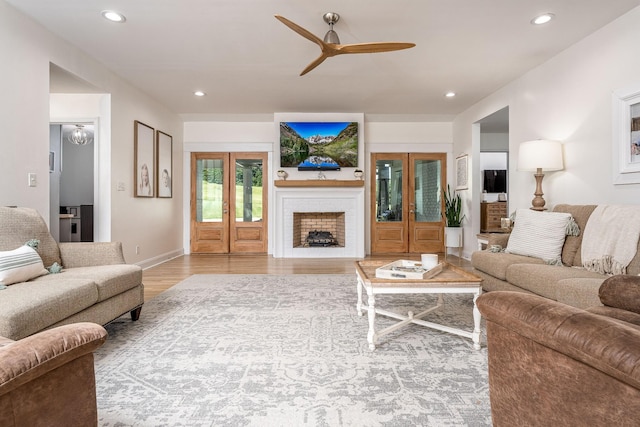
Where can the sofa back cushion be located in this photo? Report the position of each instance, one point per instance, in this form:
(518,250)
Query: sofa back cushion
(571,249)
(19,225)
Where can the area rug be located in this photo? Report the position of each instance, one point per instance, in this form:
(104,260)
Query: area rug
(287,350)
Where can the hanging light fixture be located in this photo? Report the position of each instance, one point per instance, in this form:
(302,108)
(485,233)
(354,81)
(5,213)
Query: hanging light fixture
(79,136)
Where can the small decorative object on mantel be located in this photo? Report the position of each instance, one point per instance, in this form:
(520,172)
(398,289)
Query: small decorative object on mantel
(406,269)
(283,174)
(358,173)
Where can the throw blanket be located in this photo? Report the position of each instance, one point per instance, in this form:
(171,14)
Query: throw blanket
(610,239)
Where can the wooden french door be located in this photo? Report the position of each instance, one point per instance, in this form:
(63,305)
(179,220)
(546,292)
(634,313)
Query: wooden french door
(407,202)
(228,203)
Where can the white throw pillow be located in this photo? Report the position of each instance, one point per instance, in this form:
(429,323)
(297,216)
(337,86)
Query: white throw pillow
(539,234)
(20,265)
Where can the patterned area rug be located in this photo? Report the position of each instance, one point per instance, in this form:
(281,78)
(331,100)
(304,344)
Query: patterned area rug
(287,350)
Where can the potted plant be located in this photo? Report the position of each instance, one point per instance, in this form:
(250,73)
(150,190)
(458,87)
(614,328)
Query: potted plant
(453,218)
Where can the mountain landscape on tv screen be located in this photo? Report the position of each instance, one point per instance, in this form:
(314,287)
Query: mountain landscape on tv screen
(318,146)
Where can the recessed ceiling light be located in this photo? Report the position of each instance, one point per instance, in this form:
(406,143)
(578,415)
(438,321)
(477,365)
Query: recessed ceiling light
(450,94)
(542,19)
(199,93)
(113,16)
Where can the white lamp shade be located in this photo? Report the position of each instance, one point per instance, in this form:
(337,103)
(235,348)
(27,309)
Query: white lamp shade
(541,153)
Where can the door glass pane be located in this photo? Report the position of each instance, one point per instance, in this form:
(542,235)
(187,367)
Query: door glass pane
(428,190)
(209,202)
(248,190)
(388,190)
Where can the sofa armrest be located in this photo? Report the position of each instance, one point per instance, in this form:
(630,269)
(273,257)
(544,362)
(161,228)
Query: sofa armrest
(31,357)
(597,341)
(621,291)
(88,254)
(498,239)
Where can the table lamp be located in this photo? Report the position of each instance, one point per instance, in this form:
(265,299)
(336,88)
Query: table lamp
(540,155)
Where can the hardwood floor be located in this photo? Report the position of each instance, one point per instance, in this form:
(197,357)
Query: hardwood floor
(163,276)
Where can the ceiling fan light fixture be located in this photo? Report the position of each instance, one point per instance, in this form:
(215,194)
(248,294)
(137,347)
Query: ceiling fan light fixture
(542,19)
(113,16)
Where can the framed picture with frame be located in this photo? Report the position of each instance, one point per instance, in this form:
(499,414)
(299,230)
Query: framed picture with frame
(626,136)
(462,172)
(164,170)
(143,160)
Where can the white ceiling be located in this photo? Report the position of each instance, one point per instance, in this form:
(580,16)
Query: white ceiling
(249,63)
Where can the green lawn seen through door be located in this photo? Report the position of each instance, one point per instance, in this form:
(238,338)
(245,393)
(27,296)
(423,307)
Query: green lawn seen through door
(212,202)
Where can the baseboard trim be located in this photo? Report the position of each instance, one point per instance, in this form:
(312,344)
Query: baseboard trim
(152,262)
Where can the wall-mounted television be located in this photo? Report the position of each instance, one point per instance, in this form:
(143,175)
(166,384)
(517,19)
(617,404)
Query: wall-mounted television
(318,145)
(495,181)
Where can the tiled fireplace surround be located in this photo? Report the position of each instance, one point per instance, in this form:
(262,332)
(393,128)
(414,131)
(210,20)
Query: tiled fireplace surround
(347,203)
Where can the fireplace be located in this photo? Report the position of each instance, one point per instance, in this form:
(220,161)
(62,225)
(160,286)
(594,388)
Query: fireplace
(337,210)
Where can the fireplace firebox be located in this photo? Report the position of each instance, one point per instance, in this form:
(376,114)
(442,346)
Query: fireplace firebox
(318,229)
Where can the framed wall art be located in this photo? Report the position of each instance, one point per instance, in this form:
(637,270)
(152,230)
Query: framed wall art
(164,170)
(462,172)
(143,160)
(626,136)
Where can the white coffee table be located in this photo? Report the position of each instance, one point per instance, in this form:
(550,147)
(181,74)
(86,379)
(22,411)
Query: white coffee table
(452,280)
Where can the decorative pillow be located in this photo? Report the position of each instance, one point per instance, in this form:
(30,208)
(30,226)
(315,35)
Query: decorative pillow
(20,265)
(539,234)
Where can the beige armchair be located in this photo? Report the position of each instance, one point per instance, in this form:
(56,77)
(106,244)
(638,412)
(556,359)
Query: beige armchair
(47,379)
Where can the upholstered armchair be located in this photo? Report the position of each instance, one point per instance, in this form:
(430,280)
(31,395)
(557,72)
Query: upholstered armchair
(47,379)
(553,364)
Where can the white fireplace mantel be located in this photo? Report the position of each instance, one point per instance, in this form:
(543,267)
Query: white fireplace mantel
(349,200)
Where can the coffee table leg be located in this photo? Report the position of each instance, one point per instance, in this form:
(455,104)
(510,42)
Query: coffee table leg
(371,336)
(476,323)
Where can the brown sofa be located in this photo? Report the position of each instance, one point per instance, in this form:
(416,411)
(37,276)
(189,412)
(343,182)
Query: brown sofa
(569,283)
(553,364)
(95,285)
(48,379)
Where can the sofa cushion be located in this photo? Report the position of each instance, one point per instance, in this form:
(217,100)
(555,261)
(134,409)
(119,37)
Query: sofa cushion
(543,279)
(538,234)
(571,249)
(28,307)
(20,265)
(579,292)
(110,280)
(19,225)
(496,264)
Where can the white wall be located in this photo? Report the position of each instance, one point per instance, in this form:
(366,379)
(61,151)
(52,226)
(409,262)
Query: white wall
(568,98)
(26,49)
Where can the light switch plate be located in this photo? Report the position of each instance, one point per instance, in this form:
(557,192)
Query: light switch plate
(33,180)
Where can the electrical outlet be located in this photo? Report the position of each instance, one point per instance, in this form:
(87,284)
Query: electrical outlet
(137,250)
(33,180)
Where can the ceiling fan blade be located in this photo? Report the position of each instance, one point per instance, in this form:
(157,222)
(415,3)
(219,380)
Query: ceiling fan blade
(298,29)
(373,47)
(319,60)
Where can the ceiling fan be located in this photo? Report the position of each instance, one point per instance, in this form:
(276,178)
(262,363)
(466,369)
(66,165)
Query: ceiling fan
(331,46)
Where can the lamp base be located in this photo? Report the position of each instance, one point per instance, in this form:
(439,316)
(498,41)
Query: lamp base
(538,202)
